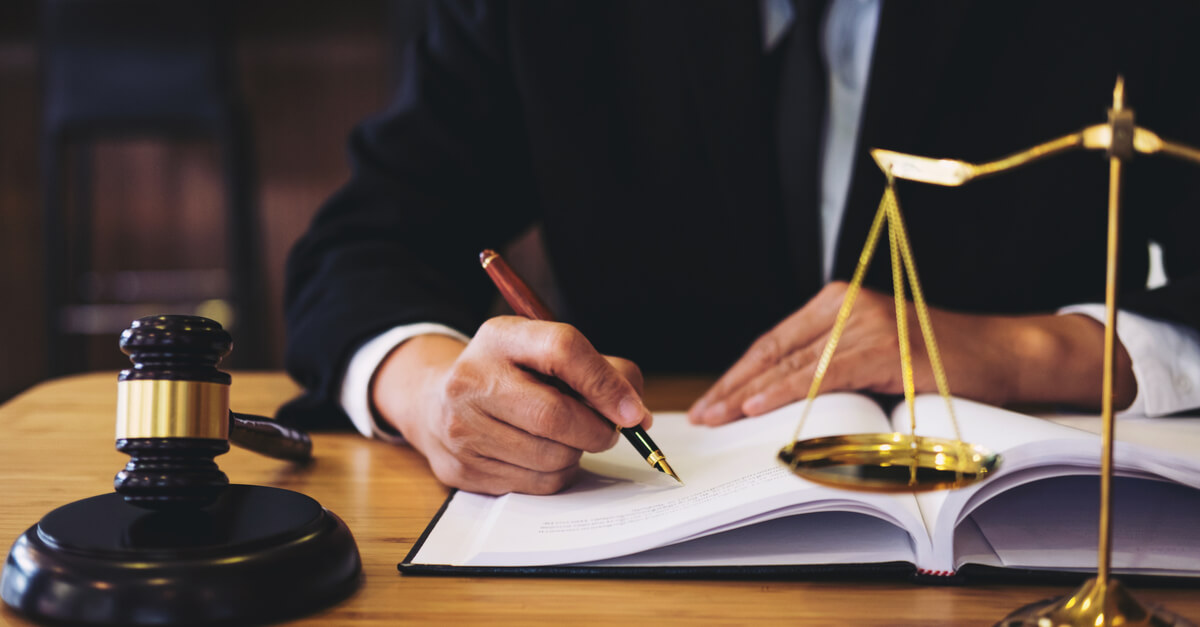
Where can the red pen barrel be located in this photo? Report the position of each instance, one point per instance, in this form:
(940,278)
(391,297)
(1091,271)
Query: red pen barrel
(515,292)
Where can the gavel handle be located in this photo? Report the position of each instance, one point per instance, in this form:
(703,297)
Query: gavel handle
(263,435)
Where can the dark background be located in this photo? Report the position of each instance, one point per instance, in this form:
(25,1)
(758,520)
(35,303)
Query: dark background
(307,70)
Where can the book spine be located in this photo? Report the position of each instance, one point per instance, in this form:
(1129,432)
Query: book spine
(937,577)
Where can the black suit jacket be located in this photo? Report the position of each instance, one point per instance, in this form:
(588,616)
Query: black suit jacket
(641,135)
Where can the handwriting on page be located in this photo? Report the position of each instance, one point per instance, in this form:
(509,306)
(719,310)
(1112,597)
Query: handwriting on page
(646,512)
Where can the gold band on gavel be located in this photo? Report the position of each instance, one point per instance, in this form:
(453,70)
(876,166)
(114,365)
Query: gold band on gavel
(157,408)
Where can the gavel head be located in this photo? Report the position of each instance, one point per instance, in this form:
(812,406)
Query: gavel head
(173,412)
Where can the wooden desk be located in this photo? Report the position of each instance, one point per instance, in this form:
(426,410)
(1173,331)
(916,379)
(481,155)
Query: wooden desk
(56,446)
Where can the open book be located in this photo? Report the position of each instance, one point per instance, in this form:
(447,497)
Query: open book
(743,509)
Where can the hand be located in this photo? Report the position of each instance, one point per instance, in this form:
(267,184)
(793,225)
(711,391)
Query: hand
(994,359)
(489,415)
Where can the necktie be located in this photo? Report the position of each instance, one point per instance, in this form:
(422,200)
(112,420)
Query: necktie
(800,115)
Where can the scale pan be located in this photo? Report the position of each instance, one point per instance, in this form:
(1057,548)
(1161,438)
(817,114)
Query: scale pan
(889,462)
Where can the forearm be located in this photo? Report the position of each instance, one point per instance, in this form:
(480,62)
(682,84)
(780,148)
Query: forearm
(1060,359)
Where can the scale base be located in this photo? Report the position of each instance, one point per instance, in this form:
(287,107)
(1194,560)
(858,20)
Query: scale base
(256,554)
(889,462)
(1094,604)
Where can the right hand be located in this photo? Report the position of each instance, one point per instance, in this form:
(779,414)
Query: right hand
(487,414)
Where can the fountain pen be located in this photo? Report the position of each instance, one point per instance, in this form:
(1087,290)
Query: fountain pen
(521,298)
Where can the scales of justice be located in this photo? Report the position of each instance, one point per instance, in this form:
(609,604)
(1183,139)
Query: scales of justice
(897,462)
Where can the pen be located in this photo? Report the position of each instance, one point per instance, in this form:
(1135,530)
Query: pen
(523,301)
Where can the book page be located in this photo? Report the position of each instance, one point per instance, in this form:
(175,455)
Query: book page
(1054,522)
(817,538)
(1037,455)
(1178,436)
(620,506)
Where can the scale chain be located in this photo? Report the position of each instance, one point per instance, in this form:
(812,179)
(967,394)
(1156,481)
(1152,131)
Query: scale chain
(902,263)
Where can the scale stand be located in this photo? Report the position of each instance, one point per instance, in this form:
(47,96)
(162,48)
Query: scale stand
(854,461)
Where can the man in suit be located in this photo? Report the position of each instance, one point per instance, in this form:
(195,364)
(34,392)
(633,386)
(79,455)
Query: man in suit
(701,176)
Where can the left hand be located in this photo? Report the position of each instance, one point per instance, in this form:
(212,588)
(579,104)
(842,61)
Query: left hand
(993,359)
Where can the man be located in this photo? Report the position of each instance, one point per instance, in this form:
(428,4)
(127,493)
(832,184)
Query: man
(699,169)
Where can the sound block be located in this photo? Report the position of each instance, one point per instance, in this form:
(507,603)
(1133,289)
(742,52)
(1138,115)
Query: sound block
(255,554)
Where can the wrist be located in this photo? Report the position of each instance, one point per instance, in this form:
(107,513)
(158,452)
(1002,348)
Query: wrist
(407,385)
(1060,360)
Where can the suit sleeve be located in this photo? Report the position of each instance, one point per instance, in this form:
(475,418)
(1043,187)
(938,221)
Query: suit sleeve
(440,175)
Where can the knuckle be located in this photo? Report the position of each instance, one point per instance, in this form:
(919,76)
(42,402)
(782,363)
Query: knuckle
(629,371)
(816,349)
(470,378)
(886,344)
(556,457)
(458,383)
(767,349)
(492,328)
(457,433)
(561,342)
(545,417)
(597,382)
(878,308)
(795,360)
(551,482)
(600,440)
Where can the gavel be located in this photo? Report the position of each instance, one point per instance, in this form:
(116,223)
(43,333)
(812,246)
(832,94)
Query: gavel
(177,543)
(173,415)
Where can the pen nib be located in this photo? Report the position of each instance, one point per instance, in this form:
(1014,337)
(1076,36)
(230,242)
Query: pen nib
(663,466)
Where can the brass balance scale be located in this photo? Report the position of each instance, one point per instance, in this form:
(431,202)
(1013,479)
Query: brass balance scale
(898,462)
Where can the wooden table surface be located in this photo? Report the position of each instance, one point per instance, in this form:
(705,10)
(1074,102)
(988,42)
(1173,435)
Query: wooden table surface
(56,446)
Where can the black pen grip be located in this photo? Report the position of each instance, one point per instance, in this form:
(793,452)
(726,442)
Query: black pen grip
(640,440)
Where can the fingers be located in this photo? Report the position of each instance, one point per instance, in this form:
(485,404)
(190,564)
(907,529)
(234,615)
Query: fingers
(633,374)
(796,333)
(562,352)
(869,367)
(522,403)
(477,434)
(630,371)
(519,434)
(490,476)
(787,381)
(718,405)
(531,406)
(779,368)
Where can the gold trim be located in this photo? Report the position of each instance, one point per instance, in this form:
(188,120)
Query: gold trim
(156,408)
(655,457)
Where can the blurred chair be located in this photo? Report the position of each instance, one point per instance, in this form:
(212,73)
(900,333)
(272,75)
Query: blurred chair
(115,69)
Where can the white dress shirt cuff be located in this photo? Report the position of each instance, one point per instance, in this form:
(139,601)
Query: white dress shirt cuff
(1166,361)
(356,384)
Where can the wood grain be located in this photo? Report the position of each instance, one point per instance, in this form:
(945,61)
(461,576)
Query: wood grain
(56,446)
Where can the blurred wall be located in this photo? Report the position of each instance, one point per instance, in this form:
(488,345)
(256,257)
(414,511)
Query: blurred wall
(308,69)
